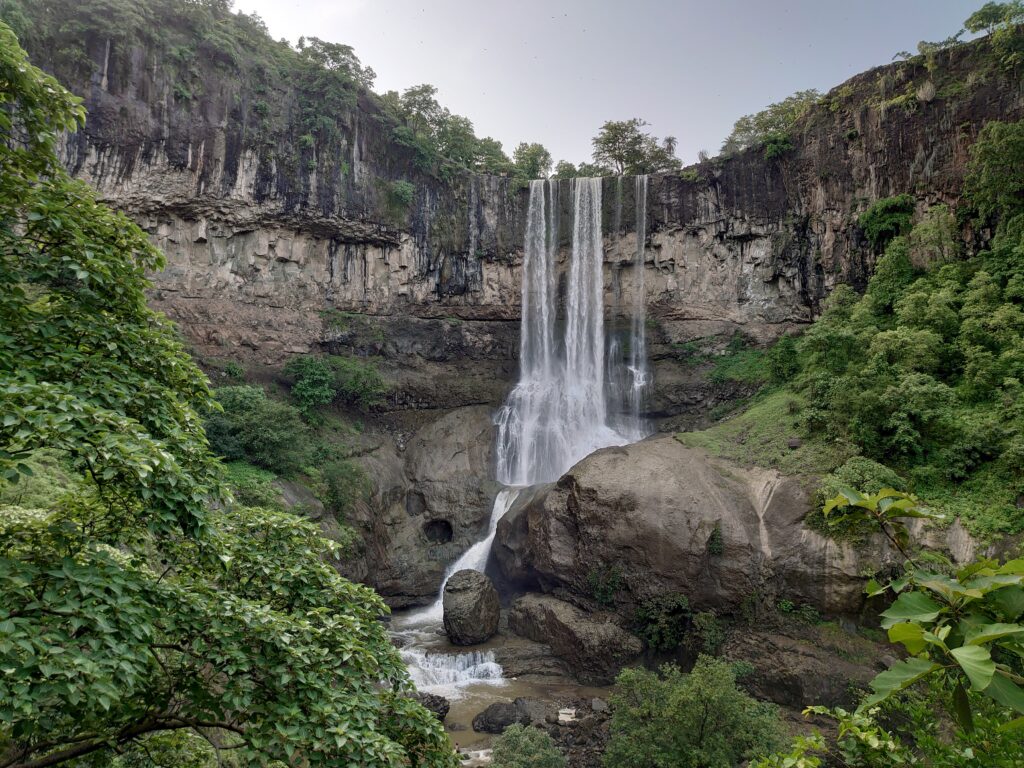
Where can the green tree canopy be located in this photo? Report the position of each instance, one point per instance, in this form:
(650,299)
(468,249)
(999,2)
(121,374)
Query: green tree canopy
(136,605)
(625,148)
(775,120)
(679,720)
(532,161)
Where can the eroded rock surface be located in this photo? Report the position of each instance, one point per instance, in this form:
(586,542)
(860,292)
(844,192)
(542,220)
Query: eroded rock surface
(594,646)
(471,608)
(658,517)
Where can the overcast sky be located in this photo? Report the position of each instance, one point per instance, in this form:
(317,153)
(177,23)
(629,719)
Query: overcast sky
(553,71)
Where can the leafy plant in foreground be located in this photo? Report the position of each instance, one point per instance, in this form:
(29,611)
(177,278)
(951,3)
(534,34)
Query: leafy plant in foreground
(964,629)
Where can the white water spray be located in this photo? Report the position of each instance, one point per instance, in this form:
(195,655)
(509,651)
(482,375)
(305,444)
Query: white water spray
(558,412)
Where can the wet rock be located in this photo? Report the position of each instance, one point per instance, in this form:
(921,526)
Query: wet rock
(598,705)
(640,518)
(439,705)
(500,715)
(471,608)
(595,647)
(803,665)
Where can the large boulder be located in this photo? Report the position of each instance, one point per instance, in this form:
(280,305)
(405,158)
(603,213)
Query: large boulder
(803,665)
(594,646)
(439,705)
(500,715)
(471,608)
(657,517)
(431,501)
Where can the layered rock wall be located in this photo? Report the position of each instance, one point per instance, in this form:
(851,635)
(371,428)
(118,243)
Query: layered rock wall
(268,238)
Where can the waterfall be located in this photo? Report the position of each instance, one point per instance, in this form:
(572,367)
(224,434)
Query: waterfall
(639,377)
(558,412)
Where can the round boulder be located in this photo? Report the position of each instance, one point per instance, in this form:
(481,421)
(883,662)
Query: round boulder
(471,608)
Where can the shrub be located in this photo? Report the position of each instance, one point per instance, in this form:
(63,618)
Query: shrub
(716,544)
(604,583)
(525,747)
(345,483)
(312,383)
(887,218)
(783,362)
(252,486)
(358,382)
(690,720)
(254,428)
(706,635)
(662,621)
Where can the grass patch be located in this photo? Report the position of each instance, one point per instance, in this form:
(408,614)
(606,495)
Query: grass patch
(760,436)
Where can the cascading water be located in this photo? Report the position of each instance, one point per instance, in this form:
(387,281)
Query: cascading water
(557,414)
(639,377)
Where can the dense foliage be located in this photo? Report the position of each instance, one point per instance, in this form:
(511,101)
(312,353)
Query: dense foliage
(770,127)
(963,632)
(525,747)
(922,374)
(628,150)
(145,602)
(673,719)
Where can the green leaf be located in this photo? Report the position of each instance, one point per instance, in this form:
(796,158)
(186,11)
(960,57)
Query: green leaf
(911,606)
(962,708)
(976,662)
(990,632)
(901,675)
(1006,692)
(909,635)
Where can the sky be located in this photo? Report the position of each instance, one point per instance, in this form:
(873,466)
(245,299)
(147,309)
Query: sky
(555,71)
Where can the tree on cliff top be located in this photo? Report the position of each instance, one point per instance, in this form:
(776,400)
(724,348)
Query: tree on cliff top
(134,607)
(625,148)
(775,120)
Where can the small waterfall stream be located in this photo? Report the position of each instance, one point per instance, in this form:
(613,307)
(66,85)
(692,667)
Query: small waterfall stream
(558,412)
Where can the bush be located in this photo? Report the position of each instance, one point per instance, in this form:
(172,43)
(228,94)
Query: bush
(604,583)
(358,382)
(312,383)
(783,362)
(525,747)
(672,719)
(345,484)
(662,621)
(887,218)
(254,428)
(252,486)
(706,635)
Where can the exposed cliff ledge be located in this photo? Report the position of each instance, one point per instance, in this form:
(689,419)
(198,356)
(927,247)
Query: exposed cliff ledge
(266,238)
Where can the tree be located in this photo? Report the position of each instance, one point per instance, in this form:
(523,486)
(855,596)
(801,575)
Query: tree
(775,120)
(675,720)
(136,605)
(564,170)
(993,16)
(995,183)
(525,747)
(335,57)
(624,147)
(491,158)
(532,161)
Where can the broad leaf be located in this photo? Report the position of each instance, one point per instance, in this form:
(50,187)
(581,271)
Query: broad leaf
(911,606)
(909,635)
(976,662)
(1006,692)
(990,632)
(901,675)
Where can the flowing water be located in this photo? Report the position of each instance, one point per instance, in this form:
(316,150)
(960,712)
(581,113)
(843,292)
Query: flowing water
(558,412)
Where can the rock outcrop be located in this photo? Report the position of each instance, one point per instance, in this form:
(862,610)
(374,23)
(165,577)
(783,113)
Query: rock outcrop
(276,248)
(595,647)
(500,715)
(471,608)
(431,501)
(658,517)
(805,665)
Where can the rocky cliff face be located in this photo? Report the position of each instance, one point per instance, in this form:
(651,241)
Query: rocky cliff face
(275,247)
